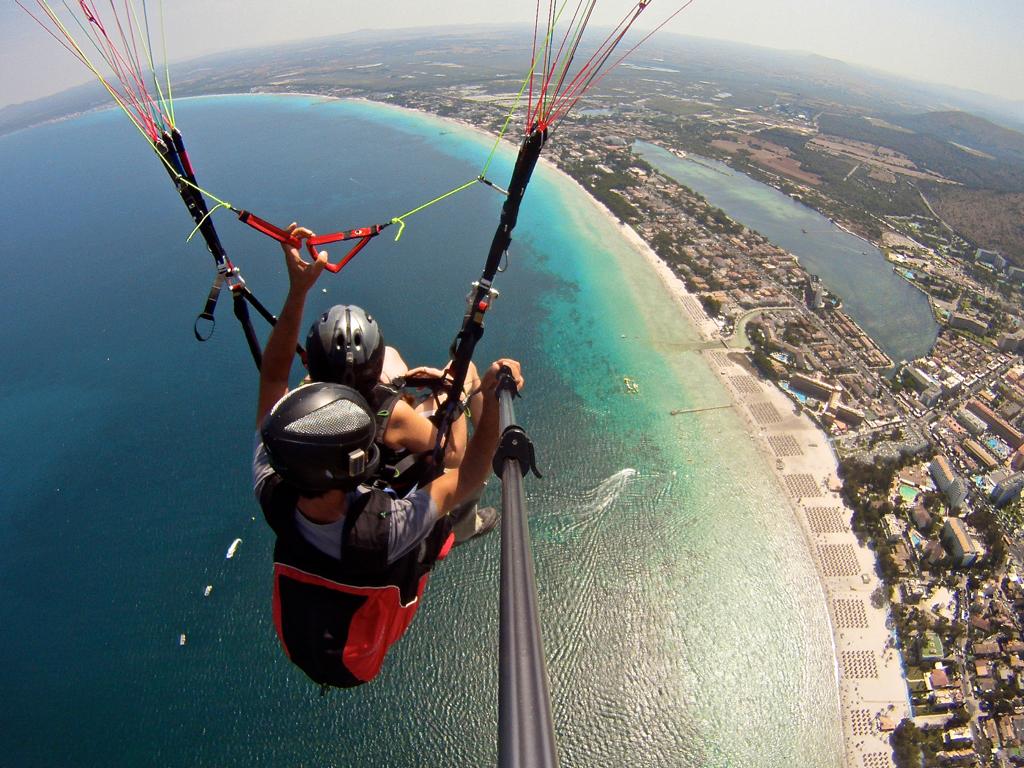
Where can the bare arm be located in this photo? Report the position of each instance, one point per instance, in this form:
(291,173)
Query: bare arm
(277,357)
(471,389)
(450,489)
(414,432)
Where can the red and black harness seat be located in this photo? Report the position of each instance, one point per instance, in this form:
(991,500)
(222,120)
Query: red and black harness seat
(337,618)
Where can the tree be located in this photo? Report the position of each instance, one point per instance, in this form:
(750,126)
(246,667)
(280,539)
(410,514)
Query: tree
(878,597)
(906,743)
(711,304)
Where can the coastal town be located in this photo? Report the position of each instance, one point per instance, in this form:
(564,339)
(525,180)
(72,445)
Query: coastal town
(768,284)
(911,508)
(930,451)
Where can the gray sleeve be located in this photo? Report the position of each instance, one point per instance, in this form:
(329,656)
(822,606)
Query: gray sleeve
(412,519)
(261,469)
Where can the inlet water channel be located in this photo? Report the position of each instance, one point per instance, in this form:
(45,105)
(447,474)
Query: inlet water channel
(892,311)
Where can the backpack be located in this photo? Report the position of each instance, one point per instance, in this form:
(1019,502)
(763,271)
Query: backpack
(336,619)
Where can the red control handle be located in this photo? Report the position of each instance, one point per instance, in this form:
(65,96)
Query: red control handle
(363,234)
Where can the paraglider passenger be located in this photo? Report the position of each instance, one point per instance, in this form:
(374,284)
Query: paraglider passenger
(351,561)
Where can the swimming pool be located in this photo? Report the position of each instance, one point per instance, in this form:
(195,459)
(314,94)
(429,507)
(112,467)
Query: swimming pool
(998,447)
(909,493)
(800,396)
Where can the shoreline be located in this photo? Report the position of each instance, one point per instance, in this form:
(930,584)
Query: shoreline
(809,482)
(869,675)
(805,479)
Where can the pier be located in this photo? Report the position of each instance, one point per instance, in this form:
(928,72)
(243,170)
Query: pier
(681,411)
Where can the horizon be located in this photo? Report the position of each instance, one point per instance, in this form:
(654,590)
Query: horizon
(958,50)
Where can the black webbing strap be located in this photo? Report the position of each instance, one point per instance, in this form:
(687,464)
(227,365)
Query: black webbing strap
(241,298)
(171,147)
(238,300)
(482,294)
(206,316)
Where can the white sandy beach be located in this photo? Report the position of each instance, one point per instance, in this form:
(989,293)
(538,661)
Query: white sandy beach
(869,671)
(872,689)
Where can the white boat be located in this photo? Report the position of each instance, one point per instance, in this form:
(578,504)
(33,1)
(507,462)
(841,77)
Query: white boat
(233,548)
(181,639)
(208,590)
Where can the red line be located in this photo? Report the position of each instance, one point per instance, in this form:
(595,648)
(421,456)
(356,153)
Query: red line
(561,46)
(544,68)
(533,65)
(580,86)
(618,61)
(50,32)
(600,56)
(576,45)
(131,65)
(122,69)
(132,55)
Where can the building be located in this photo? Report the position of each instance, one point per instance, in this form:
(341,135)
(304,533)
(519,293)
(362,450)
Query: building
(921,517)
(1007,489)
(931,647)
(946,698)
(962,545)
(987,648)
(893,529)
(976,325)
(1012,342)
(1017,462)
(1013,436)
(991,259)
(970,421)
(814,293)
(812,387)
(950,380)
(924,379)
(951,484)
(986,459)
(930,396)
(959,736)
(848,414)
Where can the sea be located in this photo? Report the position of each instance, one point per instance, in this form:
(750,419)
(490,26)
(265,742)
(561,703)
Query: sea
(683,622)
(893,312)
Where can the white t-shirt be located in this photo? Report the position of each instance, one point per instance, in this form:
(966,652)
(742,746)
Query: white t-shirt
(410,520)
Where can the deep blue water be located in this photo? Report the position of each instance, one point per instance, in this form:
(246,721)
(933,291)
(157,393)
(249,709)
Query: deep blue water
(126,451)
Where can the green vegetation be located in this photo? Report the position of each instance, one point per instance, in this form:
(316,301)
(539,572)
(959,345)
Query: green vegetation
(911,745)
(931,153)
(984,216)
(711,304)
(607,187)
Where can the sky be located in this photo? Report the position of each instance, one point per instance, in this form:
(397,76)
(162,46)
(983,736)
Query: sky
(973,45)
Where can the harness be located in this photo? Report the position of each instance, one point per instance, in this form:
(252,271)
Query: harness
(336,618)
(401,470)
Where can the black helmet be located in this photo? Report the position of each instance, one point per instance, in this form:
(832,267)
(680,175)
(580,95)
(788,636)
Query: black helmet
(320,436)
(345,346)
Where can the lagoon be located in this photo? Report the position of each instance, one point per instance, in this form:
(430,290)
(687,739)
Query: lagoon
(892,311)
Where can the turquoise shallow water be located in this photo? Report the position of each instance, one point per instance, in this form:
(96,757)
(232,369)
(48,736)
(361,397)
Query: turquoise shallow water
(682,619)
(892,311)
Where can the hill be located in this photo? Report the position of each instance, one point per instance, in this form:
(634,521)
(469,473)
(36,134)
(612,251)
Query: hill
(965,161)
(970,131)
